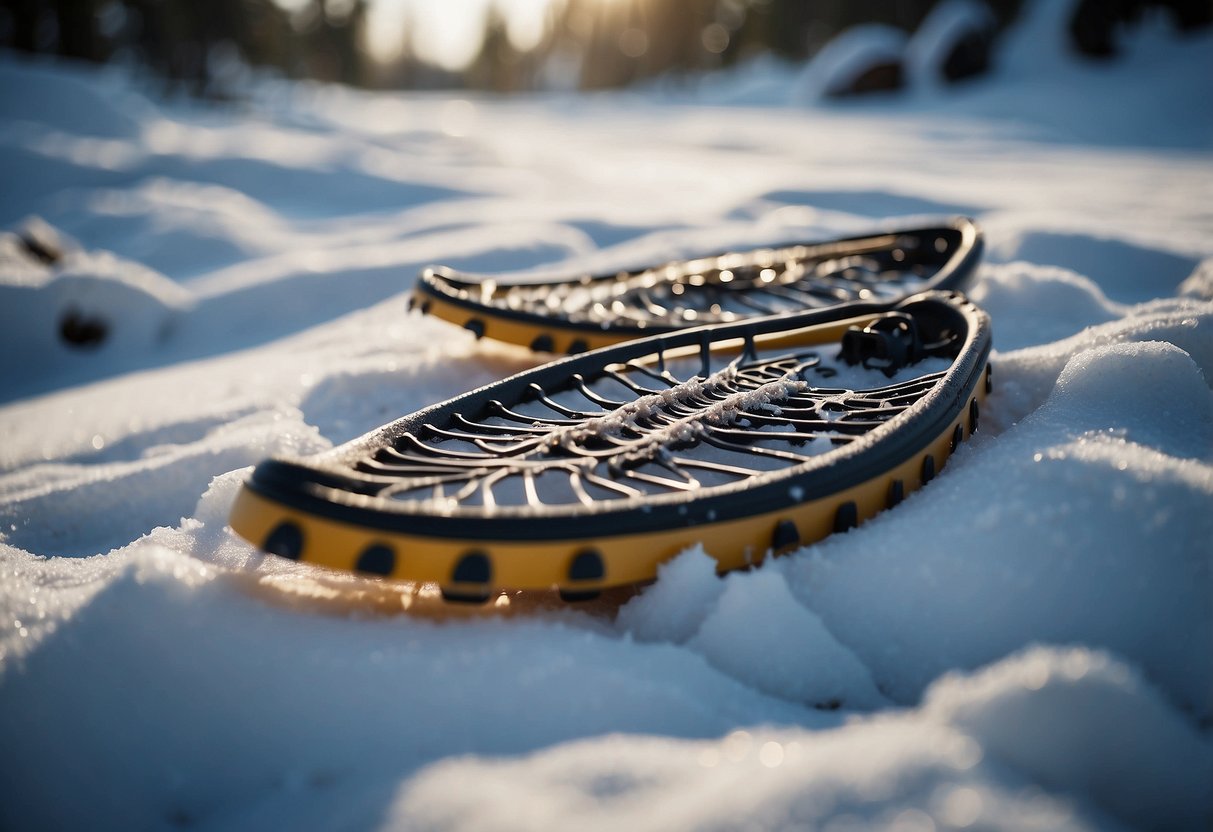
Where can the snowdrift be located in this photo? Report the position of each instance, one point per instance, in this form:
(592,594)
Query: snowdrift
(1026,643)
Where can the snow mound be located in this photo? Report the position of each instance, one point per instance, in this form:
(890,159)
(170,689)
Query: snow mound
(1084,723)
(1125,270)
(841,66)
(296,701)
(85,307)
(1152,392)
(1038,42)
(1039,304)
(1199,284)
(60,99)
(673,608)
(760,634)
(951,43)
(1048,535)
(1029,375)
(962,761)
(78,508)
(183,228)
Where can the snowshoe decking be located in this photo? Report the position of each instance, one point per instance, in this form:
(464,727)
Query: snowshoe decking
(572,315)
(589,472)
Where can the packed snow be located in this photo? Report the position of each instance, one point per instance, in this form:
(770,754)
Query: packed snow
(185,289)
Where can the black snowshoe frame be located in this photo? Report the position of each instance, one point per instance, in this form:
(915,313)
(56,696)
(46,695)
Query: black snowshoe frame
(590,471)
(575,314)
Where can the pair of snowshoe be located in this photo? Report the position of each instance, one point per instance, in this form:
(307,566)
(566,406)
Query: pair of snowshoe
(751,401)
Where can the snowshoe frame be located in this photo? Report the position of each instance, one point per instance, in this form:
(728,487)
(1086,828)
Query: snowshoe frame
(572,315)
(329,510)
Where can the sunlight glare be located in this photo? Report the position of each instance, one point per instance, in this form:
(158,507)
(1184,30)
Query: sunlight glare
(448,32)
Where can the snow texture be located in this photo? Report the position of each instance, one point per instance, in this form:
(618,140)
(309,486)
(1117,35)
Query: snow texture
(1027,643)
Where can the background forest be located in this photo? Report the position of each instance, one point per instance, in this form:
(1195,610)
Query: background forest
(585,44)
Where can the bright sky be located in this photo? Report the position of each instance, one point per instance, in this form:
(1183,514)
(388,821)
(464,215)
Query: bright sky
(448,32)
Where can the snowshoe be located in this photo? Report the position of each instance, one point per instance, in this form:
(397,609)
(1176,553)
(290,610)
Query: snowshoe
(572,315)
(588,472)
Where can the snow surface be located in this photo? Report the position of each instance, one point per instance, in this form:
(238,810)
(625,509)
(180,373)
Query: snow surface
(1025,644)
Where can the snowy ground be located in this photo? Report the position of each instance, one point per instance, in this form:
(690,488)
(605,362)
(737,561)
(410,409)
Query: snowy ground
(1026,644)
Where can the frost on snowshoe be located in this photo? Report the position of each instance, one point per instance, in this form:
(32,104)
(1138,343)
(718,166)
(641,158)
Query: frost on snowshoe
(573,314)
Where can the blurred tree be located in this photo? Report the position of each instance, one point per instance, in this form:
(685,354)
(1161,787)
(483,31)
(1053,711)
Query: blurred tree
(629,40)
(184,41)
(498,65)
(23,16)
(77,29)
(332,41)
(196,44)
(1096,26)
